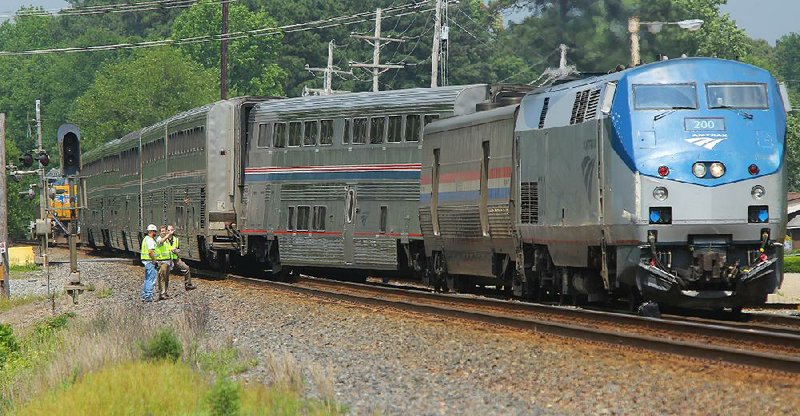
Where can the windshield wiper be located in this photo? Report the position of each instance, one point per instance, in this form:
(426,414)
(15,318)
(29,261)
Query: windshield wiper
(741,112)
(670,111)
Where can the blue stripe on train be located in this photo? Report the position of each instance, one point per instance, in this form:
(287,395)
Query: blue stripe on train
(470,196)
(310,176)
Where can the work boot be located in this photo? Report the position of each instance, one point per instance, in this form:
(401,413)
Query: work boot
(191,286)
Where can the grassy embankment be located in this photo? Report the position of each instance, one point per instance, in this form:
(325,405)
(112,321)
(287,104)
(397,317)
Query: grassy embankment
(127,362)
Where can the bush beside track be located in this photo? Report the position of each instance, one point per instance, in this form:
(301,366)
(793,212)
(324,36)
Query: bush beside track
(791,264)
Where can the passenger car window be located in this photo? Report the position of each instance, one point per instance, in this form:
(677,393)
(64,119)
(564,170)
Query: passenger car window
(752,96)
(295,133)
(395,129)
(412,128)
(665,96)
(326,132)
(430,118)
(279,135)
(290,222)
(377,126)
(263,135)
(346,133)
(360,130)
(311,131)
(319,218)
(303,213)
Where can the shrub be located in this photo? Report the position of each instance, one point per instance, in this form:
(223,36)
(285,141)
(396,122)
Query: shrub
(51,325)
(223,399)
(791,264)
(164,345)
(8,343)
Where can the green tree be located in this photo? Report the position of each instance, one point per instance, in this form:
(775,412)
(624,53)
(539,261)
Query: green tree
(793,152)
(253,68)
(155,84)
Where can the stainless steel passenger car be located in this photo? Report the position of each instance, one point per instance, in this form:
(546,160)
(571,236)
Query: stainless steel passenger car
(333,181)
(184,170)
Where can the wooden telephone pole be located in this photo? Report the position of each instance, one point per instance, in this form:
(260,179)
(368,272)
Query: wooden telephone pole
(223,51)
(6,289)
(376,66)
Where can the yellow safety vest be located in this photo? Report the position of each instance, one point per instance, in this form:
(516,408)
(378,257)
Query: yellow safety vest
(145,253)
(175,244)
(164,251)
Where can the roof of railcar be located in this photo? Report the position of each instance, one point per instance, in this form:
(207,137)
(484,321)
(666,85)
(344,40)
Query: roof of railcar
(101,151)
(343,103)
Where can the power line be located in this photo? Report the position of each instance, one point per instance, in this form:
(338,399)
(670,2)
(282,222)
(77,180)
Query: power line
(266,31)
(109,8)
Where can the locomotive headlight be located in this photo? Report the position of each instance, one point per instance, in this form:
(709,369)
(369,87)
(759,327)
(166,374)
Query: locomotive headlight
(758,192)
(660,193)
(717,169)
(699,169)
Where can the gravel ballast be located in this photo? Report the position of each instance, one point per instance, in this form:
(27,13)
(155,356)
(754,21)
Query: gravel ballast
(394,362)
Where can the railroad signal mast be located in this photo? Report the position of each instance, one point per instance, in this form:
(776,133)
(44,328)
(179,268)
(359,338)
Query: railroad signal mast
(70,157)
(69,146)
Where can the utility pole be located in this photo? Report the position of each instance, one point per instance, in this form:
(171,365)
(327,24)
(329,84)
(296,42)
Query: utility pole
(633,29)
(328,72)
(223,51)
(43,223)
(375,41)
(437,43)
(6,289)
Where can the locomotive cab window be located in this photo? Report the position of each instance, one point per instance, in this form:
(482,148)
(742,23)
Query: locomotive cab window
(752,96)
(665,96)
(360,130)
(263,135)
(295,133)
(279,135)
(430,118)
(311,131)
(412,128)
(326,132)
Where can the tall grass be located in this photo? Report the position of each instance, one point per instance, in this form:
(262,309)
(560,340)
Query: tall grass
(7,304)
(107,354)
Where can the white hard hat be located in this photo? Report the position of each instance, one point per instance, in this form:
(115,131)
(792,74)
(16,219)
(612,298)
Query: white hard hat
(152,227)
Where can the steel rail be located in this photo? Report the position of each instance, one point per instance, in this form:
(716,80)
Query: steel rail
(458,307)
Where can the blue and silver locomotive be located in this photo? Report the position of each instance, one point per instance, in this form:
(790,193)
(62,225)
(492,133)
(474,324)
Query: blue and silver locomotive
(662,182)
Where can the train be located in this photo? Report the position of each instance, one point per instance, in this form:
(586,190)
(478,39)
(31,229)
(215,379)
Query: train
(663,183)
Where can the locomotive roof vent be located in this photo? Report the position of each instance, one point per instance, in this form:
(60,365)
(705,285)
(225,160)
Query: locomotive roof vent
(486,106)
(510,101)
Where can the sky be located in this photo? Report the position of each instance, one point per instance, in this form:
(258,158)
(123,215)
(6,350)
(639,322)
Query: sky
(761,19)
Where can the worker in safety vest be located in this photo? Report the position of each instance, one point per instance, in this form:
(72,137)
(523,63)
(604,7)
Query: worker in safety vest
(178,266)
(148,257)
(164,256)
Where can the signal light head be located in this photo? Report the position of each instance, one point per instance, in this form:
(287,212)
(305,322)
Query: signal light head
(753,169)
(27,160)
(44,159)
(663,170)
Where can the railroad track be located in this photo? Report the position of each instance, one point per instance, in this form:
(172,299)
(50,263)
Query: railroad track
(777,350)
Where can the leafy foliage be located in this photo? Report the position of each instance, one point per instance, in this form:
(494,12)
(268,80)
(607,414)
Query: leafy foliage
(127,95)
(223,399)
(253,70)
(164,345)
(8,344)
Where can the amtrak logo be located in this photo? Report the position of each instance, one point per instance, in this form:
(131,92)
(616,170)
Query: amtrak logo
(706,141)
